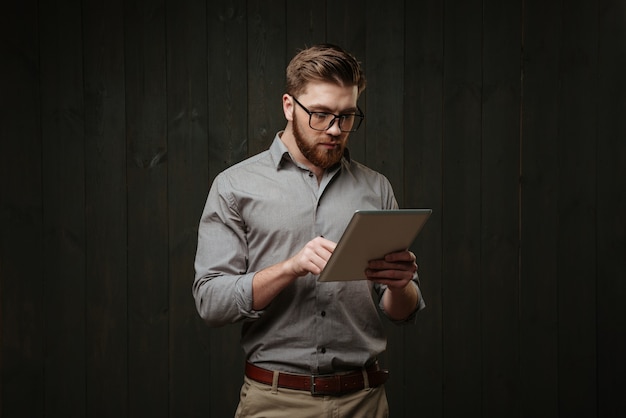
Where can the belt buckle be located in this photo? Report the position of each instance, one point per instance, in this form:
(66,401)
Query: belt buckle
(313,389)
(328,392)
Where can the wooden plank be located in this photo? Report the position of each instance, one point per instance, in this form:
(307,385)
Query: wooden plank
(383,148)
(21,275)
(611,207)
(385,69)
(63,139)
(188,183)
(267,60)
(577,199)
(346,26)
(105,205)
(228,139)
(305,24)
(461,278)
(500,238)
(146,168)
(228,58)
(422,182)
(538,285)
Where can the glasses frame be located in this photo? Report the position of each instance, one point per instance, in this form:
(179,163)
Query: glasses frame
(355,126)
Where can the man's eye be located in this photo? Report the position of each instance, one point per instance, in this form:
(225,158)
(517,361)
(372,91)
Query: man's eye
(320,116)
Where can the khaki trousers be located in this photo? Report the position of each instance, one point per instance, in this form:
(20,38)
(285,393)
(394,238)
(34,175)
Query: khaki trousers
(261,401)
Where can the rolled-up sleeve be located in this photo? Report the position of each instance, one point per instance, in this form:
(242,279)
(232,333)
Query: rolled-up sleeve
(222,286)
(411,319)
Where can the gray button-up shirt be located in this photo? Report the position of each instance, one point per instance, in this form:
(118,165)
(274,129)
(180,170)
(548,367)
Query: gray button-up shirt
(262,211)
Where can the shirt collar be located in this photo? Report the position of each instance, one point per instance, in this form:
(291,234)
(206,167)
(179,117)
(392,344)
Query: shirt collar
(279,152)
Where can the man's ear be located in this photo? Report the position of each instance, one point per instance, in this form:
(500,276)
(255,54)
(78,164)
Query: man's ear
(288,107)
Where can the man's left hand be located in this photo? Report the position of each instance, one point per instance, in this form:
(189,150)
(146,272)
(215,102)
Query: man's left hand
(396,270)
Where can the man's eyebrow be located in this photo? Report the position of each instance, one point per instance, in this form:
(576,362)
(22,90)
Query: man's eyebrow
(318,108)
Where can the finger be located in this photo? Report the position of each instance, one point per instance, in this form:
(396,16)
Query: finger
(396,283)
(316,259)
(400,256)
(385,265)
(325,243)
(390,274)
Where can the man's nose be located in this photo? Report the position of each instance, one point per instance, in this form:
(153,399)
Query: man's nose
(334,129)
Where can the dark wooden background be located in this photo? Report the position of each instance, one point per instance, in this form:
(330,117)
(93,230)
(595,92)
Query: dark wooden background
(508,118)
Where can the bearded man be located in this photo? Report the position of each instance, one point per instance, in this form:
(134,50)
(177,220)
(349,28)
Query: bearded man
(270,224)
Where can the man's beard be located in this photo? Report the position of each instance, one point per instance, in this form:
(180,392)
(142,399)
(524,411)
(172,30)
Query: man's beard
(323,158)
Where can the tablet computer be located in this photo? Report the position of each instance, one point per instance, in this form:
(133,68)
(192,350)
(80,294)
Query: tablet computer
(370,235)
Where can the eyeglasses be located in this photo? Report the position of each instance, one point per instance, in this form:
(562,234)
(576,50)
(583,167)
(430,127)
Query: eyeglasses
(322,121)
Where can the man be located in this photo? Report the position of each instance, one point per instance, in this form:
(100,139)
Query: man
(268,228)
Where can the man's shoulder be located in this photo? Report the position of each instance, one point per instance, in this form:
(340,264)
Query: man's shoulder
(252,164)
(264,160)
(361,169)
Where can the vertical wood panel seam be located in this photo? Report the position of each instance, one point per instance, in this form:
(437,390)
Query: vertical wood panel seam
(519,203)
(441,202)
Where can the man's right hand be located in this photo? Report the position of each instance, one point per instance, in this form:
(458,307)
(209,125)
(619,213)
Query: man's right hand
(269,282)
(313,257)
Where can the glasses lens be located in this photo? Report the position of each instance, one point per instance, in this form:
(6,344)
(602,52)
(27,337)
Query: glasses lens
(351,123)
(324,121)
(346,122)
(320,121)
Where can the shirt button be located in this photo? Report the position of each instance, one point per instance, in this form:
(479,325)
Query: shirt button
(323,313)
(323,350)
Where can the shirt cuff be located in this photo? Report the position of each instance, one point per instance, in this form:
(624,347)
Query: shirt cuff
(244,297)
(411,319)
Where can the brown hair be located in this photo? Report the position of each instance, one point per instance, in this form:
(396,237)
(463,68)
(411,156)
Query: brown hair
(324,62)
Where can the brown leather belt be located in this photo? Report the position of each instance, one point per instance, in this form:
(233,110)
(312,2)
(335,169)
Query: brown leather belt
(321,385)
